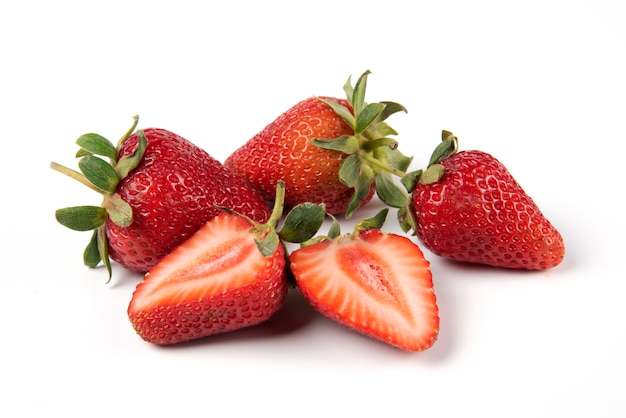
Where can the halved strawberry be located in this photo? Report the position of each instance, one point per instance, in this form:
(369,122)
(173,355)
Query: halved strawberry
(216,281)
(373,282)
(230,274)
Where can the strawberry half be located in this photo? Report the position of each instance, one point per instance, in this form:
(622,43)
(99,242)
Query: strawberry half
(158,189)
(468,207)
(327,150)
(214,282)
(376,283)
(230,274)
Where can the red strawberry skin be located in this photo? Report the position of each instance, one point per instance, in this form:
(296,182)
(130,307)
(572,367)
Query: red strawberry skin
(477,212)
(375,283)
(217,281)
(173,192)
(283,151)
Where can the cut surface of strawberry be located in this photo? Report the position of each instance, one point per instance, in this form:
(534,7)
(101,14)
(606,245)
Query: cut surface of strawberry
(216,281)
(376,283)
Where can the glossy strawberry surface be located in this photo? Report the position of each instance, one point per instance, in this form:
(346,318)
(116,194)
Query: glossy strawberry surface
(477,212)
(173,192)
(283,151)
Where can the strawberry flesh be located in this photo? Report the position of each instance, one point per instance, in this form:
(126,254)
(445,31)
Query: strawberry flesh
(216,281)
(376,283)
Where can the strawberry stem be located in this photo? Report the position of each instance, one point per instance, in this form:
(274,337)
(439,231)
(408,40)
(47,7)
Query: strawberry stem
(129,132)
(279,201)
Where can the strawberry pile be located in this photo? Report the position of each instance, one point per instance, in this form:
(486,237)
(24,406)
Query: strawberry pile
(210,237)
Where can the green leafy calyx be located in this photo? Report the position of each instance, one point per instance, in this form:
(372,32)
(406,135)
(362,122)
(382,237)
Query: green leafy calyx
(432,174)
(300,224)
(373,155)
(101,170)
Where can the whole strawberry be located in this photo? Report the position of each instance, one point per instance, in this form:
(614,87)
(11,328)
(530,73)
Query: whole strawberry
(467,206)
(158,190)
(327,150)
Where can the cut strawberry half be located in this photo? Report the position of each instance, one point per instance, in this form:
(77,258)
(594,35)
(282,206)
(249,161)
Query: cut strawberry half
(216,281)
(376,283)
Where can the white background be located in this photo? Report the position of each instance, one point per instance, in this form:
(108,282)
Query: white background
(539,84)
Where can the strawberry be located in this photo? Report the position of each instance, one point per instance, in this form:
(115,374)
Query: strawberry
(158,190)
(230,274)
(214,282)
(376,283)
(468,207)
(327,150)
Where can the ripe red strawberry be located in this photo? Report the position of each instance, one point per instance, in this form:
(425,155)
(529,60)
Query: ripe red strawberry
(214,282)
(326,150)
(230,274)
(468,207)
(376,283)
(158,189)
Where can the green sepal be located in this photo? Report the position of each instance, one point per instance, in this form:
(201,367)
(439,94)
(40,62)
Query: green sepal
(302,222)
(128,163)
(365,179)
(100,173)
(385,142)
(375,222)
(405,219)
(383,129)
(96,144)
(335,228)
(445,148)
(367,116)
(91,255)
(348,144)
(119,211)
(103,249)
(333,232)
(390,109)
(398,161)
(389,192)
(410,180)
(269,243)
(432,174)
(342,111)
(358,93)
(129,132)
(349,170)
(81,218)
